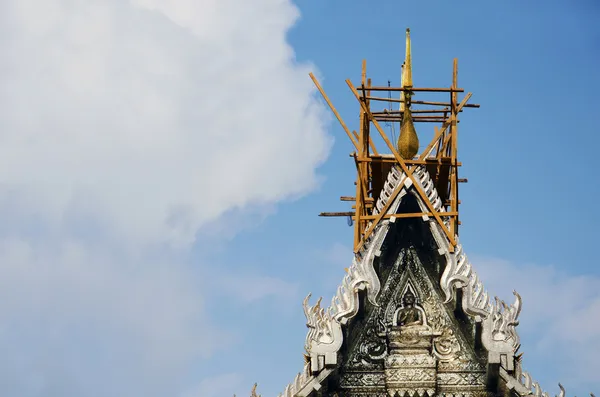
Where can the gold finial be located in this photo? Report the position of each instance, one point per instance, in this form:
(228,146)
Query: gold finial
(402,85)
(408,141)
(407,70)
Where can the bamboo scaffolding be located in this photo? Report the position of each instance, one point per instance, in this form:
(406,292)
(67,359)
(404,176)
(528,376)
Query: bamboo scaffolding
(439,157)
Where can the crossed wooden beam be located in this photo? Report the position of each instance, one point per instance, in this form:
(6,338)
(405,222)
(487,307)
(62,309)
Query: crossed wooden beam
(440,139)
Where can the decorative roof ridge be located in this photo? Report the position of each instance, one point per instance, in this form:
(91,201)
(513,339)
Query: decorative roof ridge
(325,336)
(523,385)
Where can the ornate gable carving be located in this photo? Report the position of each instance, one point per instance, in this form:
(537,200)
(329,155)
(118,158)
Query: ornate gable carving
(410,341)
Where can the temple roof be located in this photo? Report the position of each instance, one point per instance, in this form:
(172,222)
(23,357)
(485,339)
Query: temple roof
(325,335)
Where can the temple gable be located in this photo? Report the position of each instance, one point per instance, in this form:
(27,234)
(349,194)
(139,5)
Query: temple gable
(411,342)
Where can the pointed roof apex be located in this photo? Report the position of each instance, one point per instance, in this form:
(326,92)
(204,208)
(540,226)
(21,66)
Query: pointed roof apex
(408,141)
(407,70)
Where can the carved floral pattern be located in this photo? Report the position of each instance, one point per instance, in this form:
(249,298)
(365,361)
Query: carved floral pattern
(409,375)
(362,379)
(462,378)
(446,346)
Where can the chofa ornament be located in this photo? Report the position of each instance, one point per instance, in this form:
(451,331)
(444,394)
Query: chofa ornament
(324,337)
(504,320)
(323,329)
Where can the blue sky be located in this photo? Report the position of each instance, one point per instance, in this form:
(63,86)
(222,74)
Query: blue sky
(162,165)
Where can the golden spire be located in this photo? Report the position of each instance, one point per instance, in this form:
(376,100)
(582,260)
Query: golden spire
(408,141)
(402,85)
(407,70)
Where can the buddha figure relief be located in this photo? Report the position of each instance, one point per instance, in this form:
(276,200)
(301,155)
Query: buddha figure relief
(409,315)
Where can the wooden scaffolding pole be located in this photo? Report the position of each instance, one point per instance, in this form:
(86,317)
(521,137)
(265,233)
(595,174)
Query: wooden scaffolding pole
(454,133)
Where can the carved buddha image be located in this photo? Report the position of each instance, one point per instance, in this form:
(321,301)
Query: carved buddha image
(409,315)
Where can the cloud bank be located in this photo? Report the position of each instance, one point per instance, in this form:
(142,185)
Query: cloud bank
(125,127)
(159,115)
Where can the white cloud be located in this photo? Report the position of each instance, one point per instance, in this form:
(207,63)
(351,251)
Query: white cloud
(559,323)
(125,125)
(161,115)
(78,323)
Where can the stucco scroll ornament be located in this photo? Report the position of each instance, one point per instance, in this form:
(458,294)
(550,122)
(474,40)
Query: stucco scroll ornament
(459,273)
(446,346)
(499,335)
(324,337)
(373,349)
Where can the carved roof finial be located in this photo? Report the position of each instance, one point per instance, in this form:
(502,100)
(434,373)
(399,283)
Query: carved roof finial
(408,141)
(253,393)
(562,391)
